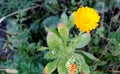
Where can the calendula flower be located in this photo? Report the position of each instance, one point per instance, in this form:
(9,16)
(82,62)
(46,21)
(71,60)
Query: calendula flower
(86,19)
(73,68)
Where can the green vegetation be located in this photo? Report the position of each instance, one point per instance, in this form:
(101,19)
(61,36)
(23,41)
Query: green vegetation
(34,37)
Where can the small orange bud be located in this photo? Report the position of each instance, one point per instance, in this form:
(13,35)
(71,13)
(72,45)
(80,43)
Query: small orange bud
(73,67)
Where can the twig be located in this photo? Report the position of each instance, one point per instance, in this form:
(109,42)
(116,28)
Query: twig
(3,30)
(4,17)
(3,40)
(114,71)
(102,16)
(10,71)
(2,69)
(7,32)
(110,22)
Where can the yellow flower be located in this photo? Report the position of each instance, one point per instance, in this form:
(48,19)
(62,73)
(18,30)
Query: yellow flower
(86,19)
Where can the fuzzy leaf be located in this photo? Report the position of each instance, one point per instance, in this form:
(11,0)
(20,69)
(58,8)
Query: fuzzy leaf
(61,66)
(82,40)
(64,18)
(63,31)
(50,55)
(54,41)
(89,55)
(50,67)
(43,48)
(50,22)
(71,21)
(85,68)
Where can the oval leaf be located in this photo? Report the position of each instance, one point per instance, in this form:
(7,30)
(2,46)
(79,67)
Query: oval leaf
(54,41)
(50,22)
(61,66)
(82,40)
(50,55)
(43,48)
(71,21)
(89,55)
(85,68)
(64,18)
(50,67)
(63,31)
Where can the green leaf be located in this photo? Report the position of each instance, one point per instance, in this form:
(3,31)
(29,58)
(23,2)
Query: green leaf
(100,31)
(50,22)
(52,30)
(82,40)
(73,2)
(115,52)
(61,66)
(31,47)
(50,67)
(64,18)
(85,68)
(102,63)
(54,41)
(43,48)
(115,35)
(34,27)
(52,2)
(81,58)
(13,27)
(96,40)
(89,55)
(71,21)
(50,55)
(63,31)
(98,72)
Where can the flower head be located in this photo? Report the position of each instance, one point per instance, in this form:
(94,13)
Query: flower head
(86,19)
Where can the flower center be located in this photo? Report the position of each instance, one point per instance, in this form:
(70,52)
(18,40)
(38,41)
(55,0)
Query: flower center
(86,20)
